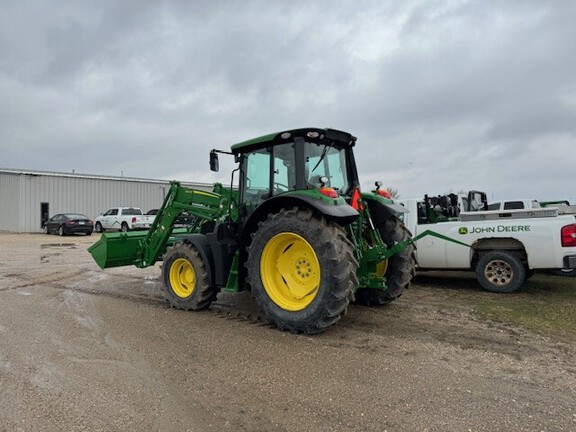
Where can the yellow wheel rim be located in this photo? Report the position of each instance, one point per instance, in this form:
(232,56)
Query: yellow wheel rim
(381,268)
(182,278)
(290,271)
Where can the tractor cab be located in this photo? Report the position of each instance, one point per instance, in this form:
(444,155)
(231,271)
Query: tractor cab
(288,163)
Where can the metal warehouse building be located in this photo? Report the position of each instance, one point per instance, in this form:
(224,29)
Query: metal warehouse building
(28,198)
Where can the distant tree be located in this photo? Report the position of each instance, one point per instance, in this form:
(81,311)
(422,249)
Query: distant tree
(392,191)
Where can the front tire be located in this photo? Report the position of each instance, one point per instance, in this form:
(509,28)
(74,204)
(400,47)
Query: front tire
(124,227)
(500,271)
(98,227)
(186,279)
(301,270)
(399,270)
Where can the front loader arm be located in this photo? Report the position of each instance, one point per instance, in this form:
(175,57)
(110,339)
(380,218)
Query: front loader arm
(205,206)
(143,249)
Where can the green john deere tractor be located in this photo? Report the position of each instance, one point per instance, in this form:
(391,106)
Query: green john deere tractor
(297,233)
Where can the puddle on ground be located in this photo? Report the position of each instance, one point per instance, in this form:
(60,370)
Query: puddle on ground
(51,245)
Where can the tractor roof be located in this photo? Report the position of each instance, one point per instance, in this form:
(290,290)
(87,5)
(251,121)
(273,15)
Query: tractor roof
(310,134)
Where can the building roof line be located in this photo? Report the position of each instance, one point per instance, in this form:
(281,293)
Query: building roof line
(92,176)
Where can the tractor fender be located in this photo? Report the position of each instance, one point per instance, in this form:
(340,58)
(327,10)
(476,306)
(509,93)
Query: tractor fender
(343,214)
(381,209)
(202,243)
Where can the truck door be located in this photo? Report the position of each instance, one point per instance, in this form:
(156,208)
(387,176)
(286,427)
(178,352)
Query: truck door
(430,251)
(109,218)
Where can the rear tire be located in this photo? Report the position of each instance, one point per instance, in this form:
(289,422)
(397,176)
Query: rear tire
(301,270)
(186,279)
(400,267)
(500,271)
(61,232)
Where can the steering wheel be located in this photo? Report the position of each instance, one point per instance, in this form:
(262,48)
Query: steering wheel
(281,187)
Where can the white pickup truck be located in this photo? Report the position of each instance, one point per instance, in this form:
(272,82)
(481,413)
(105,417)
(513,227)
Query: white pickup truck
(145,221)
(118,218)
(503,247)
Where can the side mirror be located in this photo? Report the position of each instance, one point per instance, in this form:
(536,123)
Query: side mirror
(214,164)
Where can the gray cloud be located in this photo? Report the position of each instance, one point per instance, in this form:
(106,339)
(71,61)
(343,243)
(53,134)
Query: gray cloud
(442,95)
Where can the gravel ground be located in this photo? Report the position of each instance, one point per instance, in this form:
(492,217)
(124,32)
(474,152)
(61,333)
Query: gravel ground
(86,349)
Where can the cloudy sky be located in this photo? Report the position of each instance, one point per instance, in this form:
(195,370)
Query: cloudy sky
(442,95)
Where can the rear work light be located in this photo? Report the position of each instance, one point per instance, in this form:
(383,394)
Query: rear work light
(329,192)
(356,202)
(133,219)
(384,193)
(568,235)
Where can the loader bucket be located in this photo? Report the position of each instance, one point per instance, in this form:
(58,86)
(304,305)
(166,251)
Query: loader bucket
(117,249)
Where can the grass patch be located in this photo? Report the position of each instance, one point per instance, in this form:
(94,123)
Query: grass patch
(546,304)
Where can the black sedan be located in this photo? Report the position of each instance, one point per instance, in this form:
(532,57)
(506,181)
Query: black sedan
(69,223)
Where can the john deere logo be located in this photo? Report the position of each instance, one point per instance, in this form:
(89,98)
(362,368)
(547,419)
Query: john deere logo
(463,230)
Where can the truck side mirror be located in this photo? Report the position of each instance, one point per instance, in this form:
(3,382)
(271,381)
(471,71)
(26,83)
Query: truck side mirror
(214,164)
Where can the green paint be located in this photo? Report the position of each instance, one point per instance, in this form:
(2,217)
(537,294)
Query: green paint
(317,195)
(438,235)
(237,148)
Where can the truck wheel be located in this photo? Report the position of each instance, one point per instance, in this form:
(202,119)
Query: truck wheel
(98,227)
(398,269)
(500,271)
(301,270)
(124,227)
(185,278)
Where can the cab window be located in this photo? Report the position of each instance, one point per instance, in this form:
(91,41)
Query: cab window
(256,177)
(284,169)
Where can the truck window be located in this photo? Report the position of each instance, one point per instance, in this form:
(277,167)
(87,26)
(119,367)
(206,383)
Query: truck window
(513,205)
(494,206)
(131,211)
